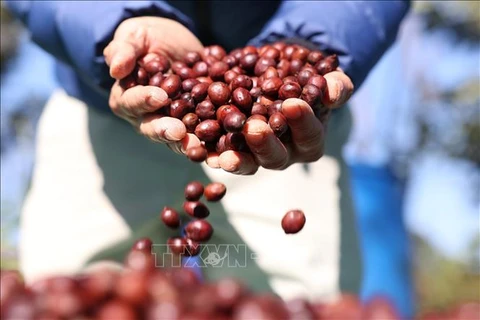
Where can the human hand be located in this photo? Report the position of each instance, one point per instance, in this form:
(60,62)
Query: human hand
(307,131)
(141,40)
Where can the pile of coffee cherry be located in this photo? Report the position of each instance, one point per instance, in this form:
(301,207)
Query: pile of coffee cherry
(141,291)
(215,93)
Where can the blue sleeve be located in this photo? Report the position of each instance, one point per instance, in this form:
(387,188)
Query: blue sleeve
(358,31)
(76,32)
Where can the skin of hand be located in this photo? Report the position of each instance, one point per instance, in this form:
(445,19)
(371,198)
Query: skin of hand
(308,134)
(142,38)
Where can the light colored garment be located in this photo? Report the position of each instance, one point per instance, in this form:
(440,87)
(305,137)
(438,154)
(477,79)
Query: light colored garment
(97,182)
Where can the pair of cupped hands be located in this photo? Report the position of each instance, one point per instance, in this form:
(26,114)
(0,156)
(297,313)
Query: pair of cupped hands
(145,37)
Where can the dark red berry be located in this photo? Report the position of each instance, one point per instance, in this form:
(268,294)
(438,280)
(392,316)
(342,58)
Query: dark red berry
(215,191)
(170,217)
(293,221)
(196,209)
(199,230)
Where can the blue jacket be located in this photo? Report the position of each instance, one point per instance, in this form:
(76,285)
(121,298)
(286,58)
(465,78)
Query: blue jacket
(76,32)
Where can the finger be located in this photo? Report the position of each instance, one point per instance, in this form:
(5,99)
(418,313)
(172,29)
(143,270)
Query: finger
(162,129)
(138,100)
(307,130)
(121,56)
(267,149)
(189,141)
(237,162)
(339,89)
(213,160)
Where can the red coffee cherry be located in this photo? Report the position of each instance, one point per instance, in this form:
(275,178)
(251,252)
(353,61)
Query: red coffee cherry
(217,70)
(205,110)
(234,122)
(177,245)
(197,154)
(229,76)
(328,64)
(170,217)
(217,52)
(219,93)
(143,244)
(200,69)
(179,108)
(303,76)
(199,91)
(290,79)
(295,66)
(259,109)
(293,221)
(248,61)
(289,90)
(271,86)
(208,130)
(262,65)
(215,191)
(193,191)
(224,110)
(171,85)
(275,106)
(311,94)
(230,60)
(190,120)
(196,209)
(156,79)
(319,82)
(193,247)
(242,99)
(314,57)
(288,51)
(300,53)
(199,230)
(278,123)
(191,58)
(128,82)
(241,81)
(188,84)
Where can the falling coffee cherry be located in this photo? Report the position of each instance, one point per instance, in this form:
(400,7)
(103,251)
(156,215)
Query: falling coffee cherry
(170,217)
(199,230)
(196,209)
(143,244)
(215,191)
(177,245)
(293,221)
(193,191)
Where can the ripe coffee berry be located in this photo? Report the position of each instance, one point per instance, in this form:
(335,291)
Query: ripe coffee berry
(234,121)
(171,85)
(314,57)
(319,82)
(208,130)
(199,230)
(179,108)
(242,99)
(327,64)
(241,81)
(199,91)
(177,245)
(229,76)
(156,79)
(217,70)
(219,93)
(143,244)
(276,106)
(311,94)
(217,52)
(247,62)
(303,76)
(200,69)
(191,58)
(193,247)
(293,221)
(235,141)
(295,66)
(289,90)
(196,209)
(197,154)
(205,110)
(170,217)
(190,120)
(222,112)
(193,191)
(215,191)
(271,86)
(188,84)
(278,123)
(262,65)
